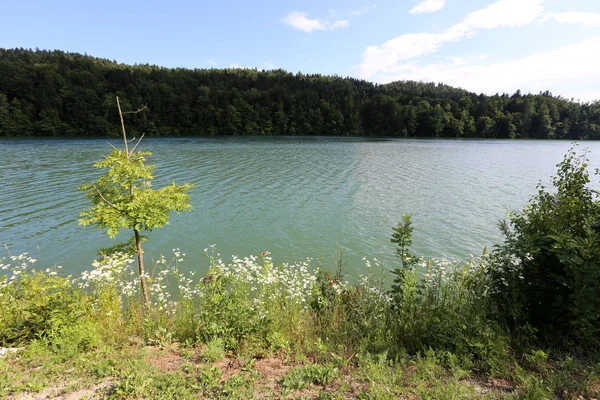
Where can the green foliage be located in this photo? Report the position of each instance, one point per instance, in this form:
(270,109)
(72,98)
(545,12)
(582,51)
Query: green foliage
(225,312)
(354,317)
(123,197)
(436,345)
(149,383)
(443,306)
(54,93)
(214,350)
(402,236)
(425,377)
(302,377)
(37,306)
(547,273)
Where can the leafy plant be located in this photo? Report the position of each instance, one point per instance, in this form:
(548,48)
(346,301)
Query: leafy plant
(214,350)
(402,236)
(302,377)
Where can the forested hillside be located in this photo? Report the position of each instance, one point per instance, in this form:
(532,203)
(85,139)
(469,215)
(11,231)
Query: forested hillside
(54,93)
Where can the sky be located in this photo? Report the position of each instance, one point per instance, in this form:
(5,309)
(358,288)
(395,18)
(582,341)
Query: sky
(485,46)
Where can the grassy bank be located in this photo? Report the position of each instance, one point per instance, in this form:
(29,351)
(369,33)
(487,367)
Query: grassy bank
(252,329)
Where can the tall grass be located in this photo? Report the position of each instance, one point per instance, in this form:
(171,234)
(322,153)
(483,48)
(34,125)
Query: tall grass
(442,304)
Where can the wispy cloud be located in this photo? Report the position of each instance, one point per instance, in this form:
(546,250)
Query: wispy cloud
(573,17)
(301,21)
(428,6)
(359,12)
(503,13)
(340,24)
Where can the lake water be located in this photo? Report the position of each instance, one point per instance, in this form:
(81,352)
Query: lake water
(296,197)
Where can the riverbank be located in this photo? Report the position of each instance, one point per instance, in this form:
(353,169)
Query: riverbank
(168,372)
(251,329)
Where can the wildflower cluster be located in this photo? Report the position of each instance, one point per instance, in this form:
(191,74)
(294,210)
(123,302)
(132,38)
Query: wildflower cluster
(168,280)
(373,282)
(165,282)
(266,282)
(436,275)
(113,269)
(18,265)
(35,304)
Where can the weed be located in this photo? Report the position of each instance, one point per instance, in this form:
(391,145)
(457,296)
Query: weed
(302,377)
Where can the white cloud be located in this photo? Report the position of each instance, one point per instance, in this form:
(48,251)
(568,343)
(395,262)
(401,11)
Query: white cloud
(268,65)
(381,58)
(428,6)
(340,24)
(503,13)
(301,21)
(359,12)
(587,95)
(571,71)
(572,17)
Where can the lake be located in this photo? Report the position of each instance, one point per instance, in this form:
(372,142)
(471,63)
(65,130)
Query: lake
(296,197)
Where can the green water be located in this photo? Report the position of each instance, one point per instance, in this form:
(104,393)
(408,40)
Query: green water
(295,197)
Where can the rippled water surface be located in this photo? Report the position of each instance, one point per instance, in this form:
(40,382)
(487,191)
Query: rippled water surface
(296,197)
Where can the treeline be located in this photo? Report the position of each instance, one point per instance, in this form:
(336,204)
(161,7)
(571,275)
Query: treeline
(54,93)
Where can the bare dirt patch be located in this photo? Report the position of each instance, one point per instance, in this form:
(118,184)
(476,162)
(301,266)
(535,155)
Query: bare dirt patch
(57,392)
(167,360)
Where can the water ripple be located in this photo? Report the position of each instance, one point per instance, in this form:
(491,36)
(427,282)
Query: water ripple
(296,197)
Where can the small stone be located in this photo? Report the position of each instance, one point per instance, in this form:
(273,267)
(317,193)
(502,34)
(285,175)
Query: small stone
(5,350)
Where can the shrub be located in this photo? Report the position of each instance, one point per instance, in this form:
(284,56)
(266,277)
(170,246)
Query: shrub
(36,304)
(546,275)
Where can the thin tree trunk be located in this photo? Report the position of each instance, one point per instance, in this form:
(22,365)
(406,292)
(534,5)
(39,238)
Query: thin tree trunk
(140,255)
(123,126)
(136,233)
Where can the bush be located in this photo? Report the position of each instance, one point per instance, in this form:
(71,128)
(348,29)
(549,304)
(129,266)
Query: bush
(546,275)
(36,304)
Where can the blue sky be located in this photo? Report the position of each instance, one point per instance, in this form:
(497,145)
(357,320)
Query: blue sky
(481,45)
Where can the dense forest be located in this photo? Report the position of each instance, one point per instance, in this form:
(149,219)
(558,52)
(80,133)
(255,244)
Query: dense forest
(55,93)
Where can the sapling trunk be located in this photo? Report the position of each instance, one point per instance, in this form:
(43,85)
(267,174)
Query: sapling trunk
(136,233)
(141,270)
